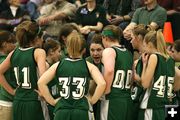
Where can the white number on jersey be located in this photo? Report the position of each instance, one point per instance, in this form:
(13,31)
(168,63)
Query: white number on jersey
(170,87)
(77,81)
(65,89)
(119,79)
(26,82)
(160,86)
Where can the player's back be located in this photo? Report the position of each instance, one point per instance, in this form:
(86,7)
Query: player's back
(122,73)
(25,71)
(73,78)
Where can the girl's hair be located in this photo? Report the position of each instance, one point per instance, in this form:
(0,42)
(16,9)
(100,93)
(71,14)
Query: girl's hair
(6,36)
(177,45)
(113,32)
(66,29)
(157,39)
(50,44)
(75,44)
(26,33)
(97,39)
(141,29)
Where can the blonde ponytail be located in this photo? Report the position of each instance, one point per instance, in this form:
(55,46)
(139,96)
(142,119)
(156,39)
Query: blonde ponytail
(157,39)
(161,45)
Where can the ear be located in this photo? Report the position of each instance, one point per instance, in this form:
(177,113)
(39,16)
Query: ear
(140,37)
(63,38)
(51,51)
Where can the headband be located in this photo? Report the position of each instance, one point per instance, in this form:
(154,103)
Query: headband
(107,33)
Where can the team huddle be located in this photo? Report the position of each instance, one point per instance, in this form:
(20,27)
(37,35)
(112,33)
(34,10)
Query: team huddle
(38,84)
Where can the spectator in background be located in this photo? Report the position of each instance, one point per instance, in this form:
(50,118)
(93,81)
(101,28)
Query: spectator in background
(43,9)
(81,2)
(58,13)
(152,14)
(32,7)
(120,12)
(3,5)
(23,2)
(91,18)
(172,6)
(117,9)
(13,16)
(173,15)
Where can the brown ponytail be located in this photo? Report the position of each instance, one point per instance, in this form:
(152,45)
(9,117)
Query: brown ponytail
(26,33)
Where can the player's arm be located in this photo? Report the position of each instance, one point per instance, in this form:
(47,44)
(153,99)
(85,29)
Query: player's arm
(92,87)
(44,80)
(40,58)
(135,76)
(4,66)
(108,59)
(177,79)
(149,66)
(99,80)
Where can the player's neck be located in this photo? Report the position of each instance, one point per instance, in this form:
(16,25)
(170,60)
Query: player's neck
(76,57)
(115,44)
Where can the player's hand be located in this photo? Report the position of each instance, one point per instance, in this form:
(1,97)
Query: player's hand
(89,98)
(56,101)
(39,93)
(145,58)
(136,77)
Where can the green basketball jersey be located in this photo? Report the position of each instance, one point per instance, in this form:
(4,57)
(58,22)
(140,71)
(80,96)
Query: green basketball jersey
(122,74)
(25,71)
(4,95)
(170,81)
(137,89)
(162,84)
(73,78)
